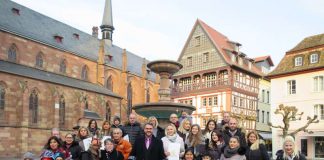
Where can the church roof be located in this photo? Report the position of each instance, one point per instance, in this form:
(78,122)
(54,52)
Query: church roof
(33,73)
(41,28)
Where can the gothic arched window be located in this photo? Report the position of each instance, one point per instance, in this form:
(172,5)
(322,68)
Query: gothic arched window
(86,105)
(129,98)
(2,100)
(84,73)
(108,111)
(109,83)
(62,111)
(148,95)
(12,53)
(33,106)
(63,66)
(39,60)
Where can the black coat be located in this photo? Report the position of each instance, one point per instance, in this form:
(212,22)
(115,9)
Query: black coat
(258,154)
(114,155)
(160,133)
(133,131)
(280,154)
(154,152)
(227,135)
(74,149)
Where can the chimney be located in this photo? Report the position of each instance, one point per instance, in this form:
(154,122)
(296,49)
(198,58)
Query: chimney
(95,31)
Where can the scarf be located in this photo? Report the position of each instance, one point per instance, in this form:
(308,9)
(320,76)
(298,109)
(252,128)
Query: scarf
(228,152)
(172,138)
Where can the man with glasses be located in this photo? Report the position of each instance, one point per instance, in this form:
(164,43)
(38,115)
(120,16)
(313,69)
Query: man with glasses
(122,145)
(174,120)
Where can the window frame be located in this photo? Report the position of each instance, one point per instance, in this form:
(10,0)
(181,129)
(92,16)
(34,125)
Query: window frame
(290,85)
(311,58)
(298,61)
(318,83)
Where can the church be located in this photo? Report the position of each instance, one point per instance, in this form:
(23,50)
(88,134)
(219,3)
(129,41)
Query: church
(54,75)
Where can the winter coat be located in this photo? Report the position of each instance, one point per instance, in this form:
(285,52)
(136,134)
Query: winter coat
(227,135)
(133,131)
(154,152)
(179,140)
(280,155)
(90,154)
(160,133)
(257,154)
(215,152)
(74,149)
(240,155)
(114,155)
(124,147)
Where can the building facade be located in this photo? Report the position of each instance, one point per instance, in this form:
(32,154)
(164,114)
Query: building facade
(298,81)
(216,77)
(54,75)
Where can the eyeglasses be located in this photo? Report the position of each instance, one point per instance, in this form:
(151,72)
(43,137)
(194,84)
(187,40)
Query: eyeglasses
(69,137)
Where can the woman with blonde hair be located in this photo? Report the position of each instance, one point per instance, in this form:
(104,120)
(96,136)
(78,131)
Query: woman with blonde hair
(256,149)
(195,140)
(171,136)
(289,150)
(184,128)
(83,133)
(158,132)
(105,130)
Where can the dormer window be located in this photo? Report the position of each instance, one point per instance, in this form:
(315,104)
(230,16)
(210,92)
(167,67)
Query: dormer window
(15,11)
(313,58)
(76,36)
(58,39)
(298,61)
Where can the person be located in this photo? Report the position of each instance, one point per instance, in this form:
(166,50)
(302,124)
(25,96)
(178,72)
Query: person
(185,115)
(184,129)
(233,151)
(117,124)
(105,130)
(56,132)
(171,136)
(148,147)
(82,134)
(93,152)
(53,147)
(189,155)
(174,120)
(75,131)
(214,145)
(29,156)
(233,130)
(210,126)
(256,149)
(158,132)
(122,145)
(93,128)
(206,156)
(110,153)
(195,140)
(72,146)
(59,156)
(133,129)
(224,123)
(289,150)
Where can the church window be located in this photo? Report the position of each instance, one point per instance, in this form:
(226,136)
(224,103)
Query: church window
(84,73)
(39,60)
(2,100)
(62,111)
(12,53)
(109,83)
(108,112)
(33,107)
(63,66)
(129,98)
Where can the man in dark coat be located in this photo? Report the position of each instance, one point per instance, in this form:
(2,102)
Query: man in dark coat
(148,147)
(231,131)
(133,129)
(224,123)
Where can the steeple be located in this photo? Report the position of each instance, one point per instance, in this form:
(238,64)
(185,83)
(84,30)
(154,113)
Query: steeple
(107,27)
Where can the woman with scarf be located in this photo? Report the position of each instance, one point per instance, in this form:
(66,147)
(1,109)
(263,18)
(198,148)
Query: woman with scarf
(93,128)
(210,126)
(83,133)
(289,150)
(233,151)
(71,146)
(195,140)
(105,130)
(184,129)
(171,136)
(110,153)
(52,148)
(256,149)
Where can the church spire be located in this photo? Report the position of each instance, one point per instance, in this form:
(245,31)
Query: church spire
(107,27)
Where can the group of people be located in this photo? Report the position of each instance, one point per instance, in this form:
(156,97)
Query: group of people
(180,139)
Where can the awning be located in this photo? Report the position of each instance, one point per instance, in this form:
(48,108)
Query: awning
(315,134)
(265,135)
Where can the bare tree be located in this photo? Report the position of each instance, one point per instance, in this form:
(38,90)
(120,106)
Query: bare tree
(289,113)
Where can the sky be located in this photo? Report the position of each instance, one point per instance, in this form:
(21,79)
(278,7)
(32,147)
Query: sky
(158,29)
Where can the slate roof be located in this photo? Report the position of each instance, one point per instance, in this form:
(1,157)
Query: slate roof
(264,58)
(287,63)
(29,72)
(91,115)
(308,42)
(38,27)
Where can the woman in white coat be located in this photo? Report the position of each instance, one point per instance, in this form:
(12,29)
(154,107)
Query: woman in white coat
(171,136)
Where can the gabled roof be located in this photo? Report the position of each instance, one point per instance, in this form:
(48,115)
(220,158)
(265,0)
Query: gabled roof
(309,42)
(264,58)
(33,73)
(223,45)
(41,28)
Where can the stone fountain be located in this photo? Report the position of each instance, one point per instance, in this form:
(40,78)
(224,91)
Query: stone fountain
(164,108)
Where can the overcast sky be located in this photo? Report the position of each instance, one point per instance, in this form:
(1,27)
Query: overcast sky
(158,29)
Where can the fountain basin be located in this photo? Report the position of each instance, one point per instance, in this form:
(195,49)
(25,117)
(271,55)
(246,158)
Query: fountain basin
(161,66)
